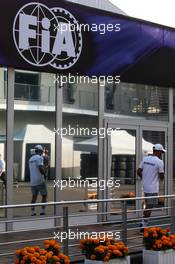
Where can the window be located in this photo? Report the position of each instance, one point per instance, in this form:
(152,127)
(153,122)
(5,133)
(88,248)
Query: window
(27,86)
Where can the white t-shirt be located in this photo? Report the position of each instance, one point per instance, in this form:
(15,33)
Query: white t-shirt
(36,178)
(151,166)
(2,166)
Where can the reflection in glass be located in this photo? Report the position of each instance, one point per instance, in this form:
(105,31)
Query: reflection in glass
(123,164)
(141,100)
(157,137)
(3,92)
(34,124)
(81,96)
(80,149)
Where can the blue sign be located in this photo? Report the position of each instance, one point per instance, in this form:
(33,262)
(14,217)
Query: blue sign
(63,37)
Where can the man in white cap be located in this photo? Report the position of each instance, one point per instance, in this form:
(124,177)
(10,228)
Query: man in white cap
(2,170)
(151,169)
(38,178)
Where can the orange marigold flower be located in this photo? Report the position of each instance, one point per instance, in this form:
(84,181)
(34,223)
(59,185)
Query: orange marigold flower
(112,247)
(43,258)
(42,251)
(18,252)
(121,244)
(24,252)
(57,246)
(100,249)
(106,259)
(52,242)
(96,241)
(33,259)
(25,257)
(36,254)
(155,234)
(37,248)
(56,258)
(120,247)
(93,257)
(126,249)
(49,254)
(46,241)
(116,252)
(31,250)
(47,246)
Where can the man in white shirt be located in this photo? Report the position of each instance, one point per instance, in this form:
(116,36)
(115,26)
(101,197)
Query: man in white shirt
(151,169)
(2,170)
(38,178)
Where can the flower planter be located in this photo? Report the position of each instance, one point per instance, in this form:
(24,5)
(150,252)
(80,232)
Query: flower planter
(112,261)
(158,257)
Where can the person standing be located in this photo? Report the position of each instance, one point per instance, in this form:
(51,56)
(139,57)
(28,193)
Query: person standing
(2,170)
(38,178)
(46,161)
(151,170)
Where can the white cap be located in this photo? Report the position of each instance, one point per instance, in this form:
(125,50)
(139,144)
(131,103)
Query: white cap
(39,147)
(159,147)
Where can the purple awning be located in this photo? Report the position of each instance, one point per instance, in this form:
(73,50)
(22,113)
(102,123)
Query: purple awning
(140,52)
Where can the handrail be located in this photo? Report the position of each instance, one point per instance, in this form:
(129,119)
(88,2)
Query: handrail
(87,201)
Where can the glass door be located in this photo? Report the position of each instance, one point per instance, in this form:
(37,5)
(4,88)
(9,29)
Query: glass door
(122,165)
(126,146)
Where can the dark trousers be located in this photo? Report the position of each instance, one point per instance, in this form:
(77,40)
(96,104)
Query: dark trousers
(3,178)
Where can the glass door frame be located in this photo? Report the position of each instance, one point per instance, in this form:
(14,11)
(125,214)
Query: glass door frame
(139,126)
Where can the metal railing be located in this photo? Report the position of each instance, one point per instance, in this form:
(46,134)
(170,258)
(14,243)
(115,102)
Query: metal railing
(43,94)
(124,220)
(128,99)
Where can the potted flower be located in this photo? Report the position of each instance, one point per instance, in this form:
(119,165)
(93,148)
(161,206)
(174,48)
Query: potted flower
(49,254)
(109,251)
(159,246)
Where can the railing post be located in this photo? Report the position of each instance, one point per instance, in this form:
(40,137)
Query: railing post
(173,215)
(58,146)
(65,230)
(124,221)
(10,147)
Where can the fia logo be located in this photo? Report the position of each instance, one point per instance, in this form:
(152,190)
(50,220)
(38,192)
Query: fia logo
(40,39)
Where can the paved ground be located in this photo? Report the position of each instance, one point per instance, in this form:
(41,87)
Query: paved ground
(22,194)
